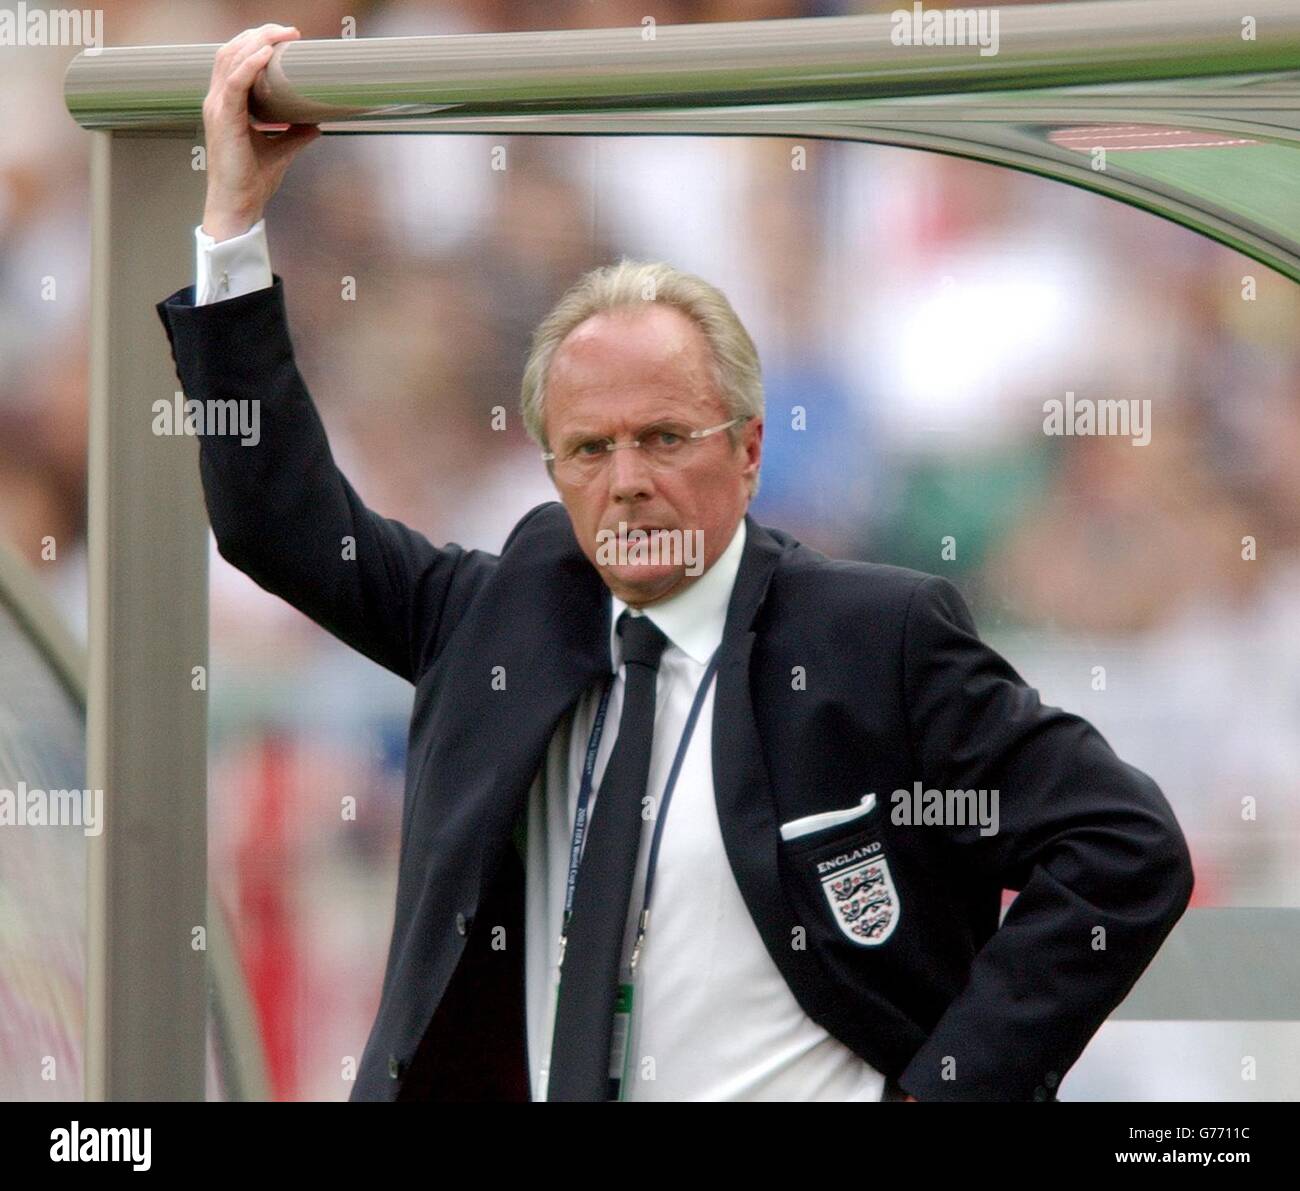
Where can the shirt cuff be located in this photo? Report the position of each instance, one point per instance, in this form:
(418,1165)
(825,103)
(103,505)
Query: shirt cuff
(229,268)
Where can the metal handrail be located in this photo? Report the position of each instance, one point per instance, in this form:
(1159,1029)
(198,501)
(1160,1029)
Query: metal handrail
(373,80)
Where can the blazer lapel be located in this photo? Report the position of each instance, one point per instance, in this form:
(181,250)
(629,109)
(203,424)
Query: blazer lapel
(742,790)
(556,645)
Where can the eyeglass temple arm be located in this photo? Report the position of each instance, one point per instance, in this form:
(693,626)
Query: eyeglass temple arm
(548,456)
(722,426)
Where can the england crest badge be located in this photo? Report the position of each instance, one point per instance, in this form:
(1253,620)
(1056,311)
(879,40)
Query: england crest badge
(861,894)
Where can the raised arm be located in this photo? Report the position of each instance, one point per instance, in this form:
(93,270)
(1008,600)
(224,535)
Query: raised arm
(1090,842)
(281,510)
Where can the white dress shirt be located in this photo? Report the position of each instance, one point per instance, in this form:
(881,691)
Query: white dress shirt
(713,1017)
(228,268)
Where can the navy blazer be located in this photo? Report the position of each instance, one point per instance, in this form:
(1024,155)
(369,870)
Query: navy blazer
(836,679)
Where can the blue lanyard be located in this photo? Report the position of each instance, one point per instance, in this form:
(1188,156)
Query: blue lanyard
(584,794)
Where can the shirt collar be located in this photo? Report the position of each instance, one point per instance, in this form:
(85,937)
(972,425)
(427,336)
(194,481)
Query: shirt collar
(692,620)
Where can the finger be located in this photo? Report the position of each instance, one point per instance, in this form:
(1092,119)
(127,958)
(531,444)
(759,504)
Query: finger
(278,33)
(259,34)
(242,76)
(234,91)
(229,53)
(259,41)
(239,48)
(228,58)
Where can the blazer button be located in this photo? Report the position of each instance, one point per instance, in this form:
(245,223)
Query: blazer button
(462,923)
(394,1067)
(1040,1093)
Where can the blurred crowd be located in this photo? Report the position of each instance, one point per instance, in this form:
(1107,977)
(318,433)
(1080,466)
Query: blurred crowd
(913,314)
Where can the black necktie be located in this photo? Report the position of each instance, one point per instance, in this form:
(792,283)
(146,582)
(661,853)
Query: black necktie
(584,1016)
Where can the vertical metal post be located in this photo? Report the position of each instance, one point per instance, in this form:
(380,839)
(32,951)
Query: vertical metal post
(146,989)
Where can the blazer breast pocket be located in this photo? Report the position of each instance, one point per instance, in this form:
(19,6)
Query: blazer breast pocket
(841,873)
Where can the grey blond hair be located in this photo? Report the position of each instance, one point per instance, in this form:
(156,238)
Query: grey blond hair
(736,373)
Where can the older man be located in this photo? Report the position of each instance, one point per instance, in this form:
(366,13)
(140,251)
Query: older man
(645,848)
